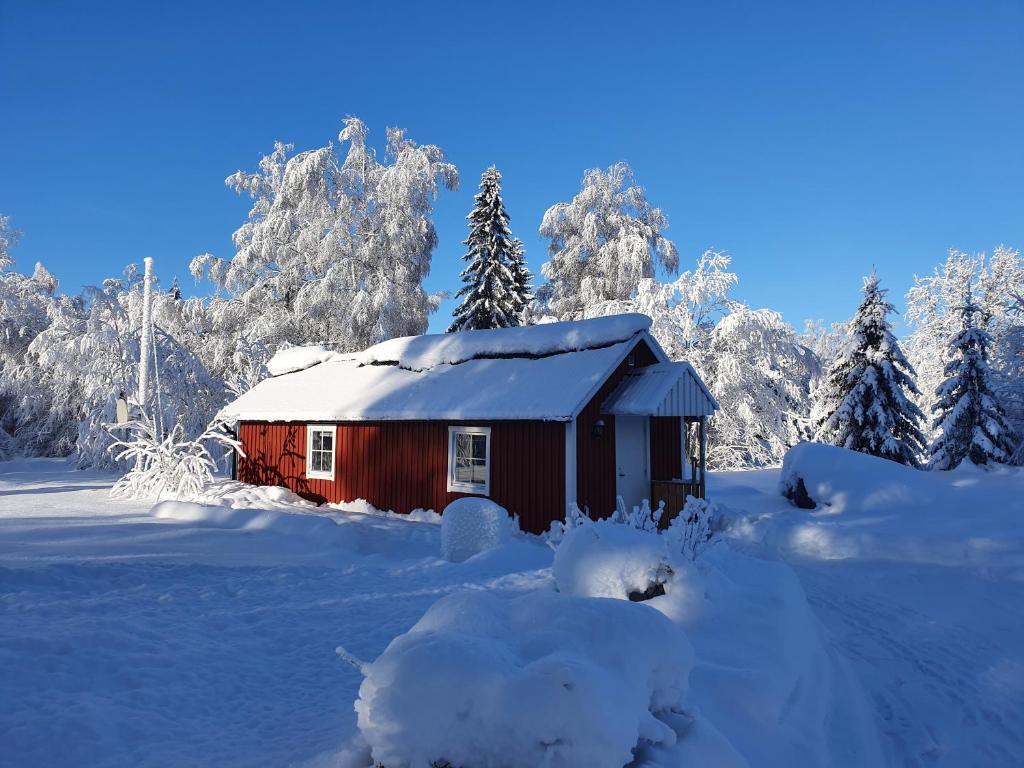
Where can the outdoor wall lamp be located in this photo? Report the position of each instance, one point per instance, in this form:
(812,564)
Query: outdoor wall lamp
(598,428)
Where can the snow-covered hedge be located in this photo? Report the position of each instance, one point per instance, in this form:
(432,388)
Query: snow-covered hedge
(543,679)
(608,559)
(471,525)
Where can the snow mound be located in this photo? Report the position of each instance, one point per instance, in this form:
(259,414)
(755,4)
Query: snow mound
(850,481)
(607,559)
(290,523)
(239,495)
(541,679)
(472,525)
(419,353)
(298,359)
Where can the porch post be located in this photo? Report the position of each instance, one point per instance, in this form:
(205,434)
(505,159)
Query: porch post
(703,452)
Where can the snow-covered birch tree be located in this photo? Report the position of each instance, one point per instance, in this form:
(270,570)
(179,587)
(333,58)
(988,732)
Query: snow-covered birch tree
(602,244)
(335,250)
(864,403)
(490,295)
(970,421)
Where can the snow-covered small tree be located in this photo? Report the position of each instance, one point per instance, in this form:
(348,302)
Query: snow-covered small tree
(522,277)
(603,243)
(972,425)
(490,298)
(863,403)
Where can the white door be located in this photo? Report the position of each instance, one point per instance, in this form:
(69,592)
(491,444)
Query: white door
(633,482)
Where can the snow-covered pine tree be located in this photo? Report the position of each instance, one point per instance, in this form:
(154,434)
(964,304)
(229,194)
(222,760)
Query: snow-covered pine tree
(863,403)
(522,277)
(490,296)
(971,421)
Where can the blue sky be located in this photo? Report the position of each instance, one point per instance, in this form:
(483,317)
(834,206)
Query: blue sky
(808,140)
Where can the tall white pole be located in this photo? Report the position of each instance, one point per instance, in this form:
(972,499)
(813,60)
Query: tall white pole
(146,341)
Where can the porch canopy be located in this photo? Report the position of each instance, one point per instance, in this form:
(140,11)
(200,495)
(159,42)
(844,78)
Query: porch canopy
(665,389)
(672,390)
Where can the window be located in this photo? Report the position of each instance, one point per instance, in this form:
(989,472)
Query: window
(320,440)
(469,459)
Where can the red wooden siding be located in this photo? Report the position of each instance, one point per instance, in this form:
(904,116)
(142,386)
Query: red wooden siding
(402,465)
(595,456)
(666,448)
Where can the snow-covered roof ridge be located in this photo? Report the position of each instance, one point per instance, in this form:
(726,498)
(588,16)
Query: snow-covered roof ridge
(420,353)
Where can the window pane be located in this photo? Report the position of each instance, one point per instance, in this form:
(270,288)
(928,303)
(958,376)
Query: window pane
(463,470)
(480,447)
(314,443)
(463,445)
(326,441)
(480,473)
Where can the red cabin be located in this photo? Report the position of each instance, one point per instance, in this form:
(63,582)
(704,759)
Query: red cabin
(535,418)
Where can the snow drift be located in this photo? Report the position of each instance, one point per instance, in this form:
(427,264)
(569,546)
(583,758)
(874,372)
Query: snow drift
(608,559)
(540,679)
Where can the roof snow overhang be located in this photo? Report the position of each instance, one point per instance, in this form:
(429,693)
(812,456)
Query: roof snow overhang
(665,389)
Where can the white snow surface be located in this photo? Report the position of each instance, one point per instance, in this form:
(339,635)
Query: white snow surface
(207,635)
(472,525)
(540,679)
(298,359)
(419,353)
(549,388)
(606,559)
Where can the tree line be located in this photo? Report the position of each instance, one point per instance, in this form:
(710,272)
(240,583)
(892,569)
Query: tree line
(335,250)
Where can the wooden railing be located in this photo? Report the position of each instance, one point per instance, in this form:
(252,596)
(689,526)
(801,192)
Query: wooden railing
(673,493)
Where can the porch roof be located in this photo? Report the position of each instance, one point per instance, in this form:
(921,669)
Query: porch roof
(665,389)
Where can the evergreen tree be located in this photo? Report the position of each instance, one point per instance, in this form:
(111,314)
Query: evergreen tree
(971,421)
(522,277)
(490,297)
(863,403)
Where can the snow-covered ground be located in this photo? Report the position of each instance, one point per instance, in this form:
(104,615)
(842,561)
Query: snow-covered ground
(208,638)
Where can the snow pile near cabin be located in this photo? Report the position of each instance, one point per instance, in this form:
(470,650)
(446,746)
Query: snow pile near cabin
(872,508)
(472,525)
(540,679)
(298,359)
(419,353)
(239,495)
(609,559)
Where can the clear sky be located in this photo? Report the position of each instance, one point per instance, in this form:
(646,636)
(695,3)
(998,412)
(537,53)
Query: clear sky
(808,140)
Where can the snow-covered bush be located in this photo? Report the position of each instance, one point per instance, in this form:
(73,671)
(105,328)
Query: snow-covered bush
(170,463)
(609,559)
(691,530)
(543,679)
(471,525)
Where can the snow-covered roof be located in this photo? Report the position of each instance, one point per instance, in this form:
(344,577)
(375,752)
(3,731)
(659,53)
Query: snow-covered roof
(666,389)
(545,372)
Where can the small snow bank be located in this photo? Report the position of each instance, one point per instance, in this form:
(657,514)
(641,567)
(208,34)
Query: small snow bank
(363,507)
(850,481)
(290,523)
(541,679)
(608,559)
(419,353)
(239,495)
(472,525)
(298,359)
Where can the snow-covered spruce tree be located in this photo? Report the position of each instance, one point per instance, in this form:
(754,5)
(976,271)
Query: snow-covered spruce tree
(863,402)
(490,298)
(971,423)
(335,249)
(603,243)
(522,277)
(933,312)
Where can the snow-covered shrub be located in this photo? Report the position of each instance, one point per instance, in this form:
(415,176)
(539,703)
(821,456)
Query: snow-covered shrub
(691,530)
(543,679)
(471,525)
(574,518)
(171,464)
(609,559)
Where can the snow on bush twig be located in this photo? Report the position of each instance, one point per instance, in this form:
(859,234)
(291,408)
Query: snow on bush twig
(170,464)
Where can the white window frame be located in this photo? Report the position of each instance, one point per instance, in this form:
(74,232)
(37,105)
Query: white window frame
(462,487)
(320,474)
